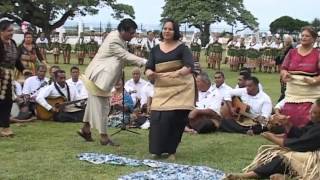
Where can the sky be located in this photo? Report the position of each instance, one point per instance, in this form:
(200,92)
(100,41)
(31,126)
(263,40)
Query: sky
(148,12)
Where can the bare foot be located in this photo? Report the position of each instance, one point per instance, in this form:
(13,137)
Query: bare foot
(156,156)
(172,157)
(277,177)
(233,177)
(6,132)
(190,130)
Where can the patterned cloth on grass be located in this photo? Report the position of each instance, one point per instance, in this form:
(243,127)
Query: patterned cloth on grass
(162,171)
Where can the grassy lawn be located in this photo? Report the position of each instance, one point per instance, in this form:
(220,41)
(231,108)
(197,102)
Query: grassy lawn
(48,150)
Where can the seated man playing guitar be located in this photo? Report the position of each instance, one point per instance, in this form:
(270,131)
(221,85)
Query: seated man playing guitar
(61,112)
(206,117)
(252,115)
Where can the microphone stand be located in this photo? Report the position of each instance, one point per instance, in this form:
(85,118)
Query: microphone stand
(123,124)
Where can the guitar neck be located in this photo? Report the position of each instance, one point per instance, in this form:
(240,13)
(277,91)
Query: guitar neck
(253,117)
(73,102)
(41,86)
(248,115)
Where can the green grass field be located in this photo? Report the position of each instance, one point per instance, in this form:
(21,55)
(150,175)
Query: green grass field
(48,150)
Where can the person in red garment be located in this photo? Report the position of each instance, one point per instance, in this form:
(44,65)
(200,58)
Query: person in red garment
(300,70)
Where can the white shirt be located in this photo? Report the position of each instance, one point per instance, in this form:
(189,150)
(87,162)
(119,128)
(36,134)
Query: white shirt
(211,99)
(31,85)
(256,46)
(269,44)
(79,86)
(198,41)
(147,91)
(52,92)
(17,88)
(232,43)
(136,41)
(152,44)
(223,90)
(260,104)
(132,86)
(45,40)
(279,46)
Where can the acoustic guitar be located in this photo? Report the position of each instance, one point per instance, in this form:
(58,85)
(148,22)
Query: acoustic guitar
(243,116)
(58,102)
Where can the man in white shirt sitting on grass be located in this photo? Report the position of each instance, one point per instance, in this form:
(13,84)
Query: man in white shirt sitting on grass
(59,88)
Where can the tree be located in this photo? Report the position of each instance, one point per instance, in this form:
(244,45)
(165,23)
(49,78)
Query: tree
(316,24)
(287,24)
(109,27)
(201,14)
(52,14)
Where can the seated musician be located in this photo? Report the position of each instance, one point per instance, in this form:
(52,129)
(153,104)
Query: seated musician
(120,115)
(32,86)
(296,154)
(258,111)
(76,82)
(59,88)
(134,86)
(206,117)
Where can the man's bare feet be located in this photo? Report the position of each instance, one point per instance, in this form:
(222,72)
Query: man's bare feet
(6,132)
(190,130)
(277,177)
(172,157)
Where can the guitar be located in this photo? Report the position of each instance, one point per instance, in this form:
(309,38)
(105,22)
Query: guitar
(26,97)
(243,117)
(58,102)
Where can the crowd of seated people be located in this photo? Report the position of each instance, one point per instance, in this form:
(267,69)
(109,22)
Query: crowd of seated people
(36,91)
(245,109)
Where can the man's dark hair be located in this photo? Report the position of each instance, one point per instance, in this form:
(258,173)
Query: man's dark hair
(204,77)
(219,72)
(28,33)
(176,29)
(54,67)
(41,66)
(74,67)
(245,75)
(149,32)
(254,80)
(56,73)
(126,25)
(27,73)
(5,24)
(245,70)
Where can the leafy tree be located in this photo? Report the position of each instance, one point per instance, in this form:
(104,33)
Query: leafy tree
(316,24)
(201,14)
(51,14)
(287,24)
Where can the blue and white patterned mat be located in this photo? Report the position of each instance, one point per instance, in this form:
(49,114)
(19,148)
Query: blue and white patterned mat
(161,171)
